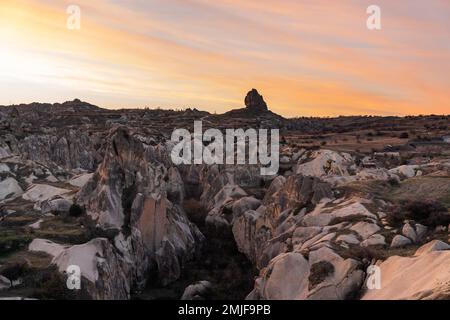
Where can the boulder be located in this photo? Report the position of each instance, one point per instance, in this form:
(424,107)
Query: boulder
(47,246)
(324,213)
(42,192)
(275,186)
(251,234)
(5,283)
(400,241)
(365,229)
(374,240)
(407,171)
(324,276)
(80,180)
(421,231)
(303,234)
(353,207)
(286,278)
(9,188)
(108,275)
(435,245)
(244,204)
(296,193)
(409,232)
(4,168)
(57,205)
(4,153)
(425,276)
(348,238)
(323,163)
(36,225)
(197,291)
(342,282)
(229,193)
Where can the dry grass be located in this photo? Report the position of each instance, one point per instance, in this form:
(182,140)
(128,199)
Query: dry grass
(319,272)
(422,189)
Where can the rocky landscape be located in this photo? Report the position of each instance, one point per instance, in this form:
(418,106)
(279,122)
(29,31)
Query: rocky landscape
(96,188)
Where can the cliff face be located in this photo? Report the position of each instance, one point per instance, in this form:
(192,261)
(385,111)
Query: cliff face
(130,193)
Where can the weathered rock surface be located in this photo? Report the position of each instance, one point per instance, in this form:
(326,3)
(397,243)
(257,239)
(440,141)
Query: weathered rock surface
(46,246)
(74,149)
(251,234)
(295,193)
(407,171)
(424,276)
(107,272)
(292,277)
(80,180)
(57,205)
(400,241)
(9,188)
(435,245)
(323,163)
(130,191)
(41,192)
(5,283)
(374,240)
(306,230)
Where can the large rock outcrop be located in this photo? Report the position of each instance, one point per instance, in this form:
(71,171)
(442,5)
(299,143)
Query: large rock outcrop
(130,192)
(254,101)
(105,273)
(424,276)
(323,276)
(296,192)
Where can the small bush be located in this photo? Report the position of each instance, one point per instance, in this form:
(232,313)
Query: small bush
(195,211)
(75,210)
(11,241)
(393,182)
(363,253)
(429,213)
(319,272)
(15,270)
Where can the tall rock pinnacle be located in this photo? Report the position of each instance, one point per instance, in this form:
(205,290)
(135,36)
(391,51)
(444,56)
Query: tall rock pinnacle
(255,101)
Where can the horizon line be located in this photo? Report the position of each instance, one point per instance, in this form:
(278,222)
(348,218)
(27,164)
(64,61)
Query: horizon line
(180,109)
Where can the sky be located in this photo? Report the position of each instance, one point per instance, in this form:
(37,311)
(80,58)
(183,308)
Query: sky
(306,57)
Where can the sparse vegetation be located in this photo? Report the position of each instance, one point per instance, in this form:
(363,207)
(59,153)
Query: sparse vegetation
(11,240)
(404,135)
(75,210)
(319,272)
(429,213)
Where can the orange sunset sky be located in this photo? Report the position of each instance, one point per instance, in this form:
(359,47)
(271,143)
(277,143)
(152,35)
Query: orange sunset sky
(307,57)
